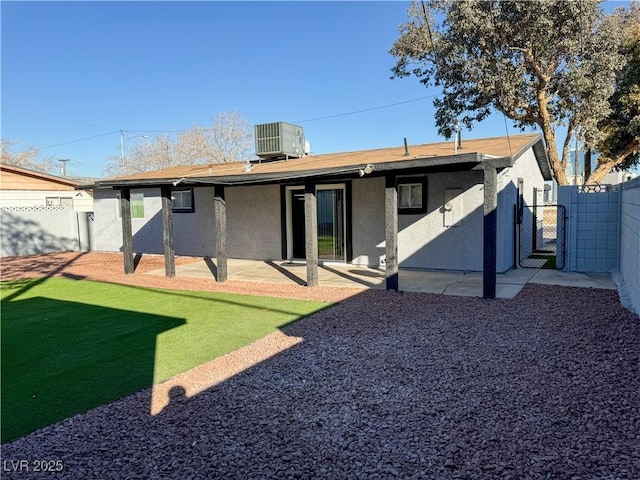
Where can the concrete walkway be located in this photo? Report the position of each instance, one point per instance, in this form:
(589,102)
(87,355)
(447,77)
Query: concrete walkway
(468,284)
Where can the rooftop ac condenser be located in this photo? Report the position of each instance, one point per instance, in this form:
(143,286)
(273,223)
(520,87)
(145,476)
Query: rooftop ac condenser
(279,140)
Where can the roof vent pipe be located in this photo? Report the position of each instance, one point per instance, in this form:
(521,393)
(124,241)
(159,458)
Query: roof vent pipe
(406,148)
(456,138)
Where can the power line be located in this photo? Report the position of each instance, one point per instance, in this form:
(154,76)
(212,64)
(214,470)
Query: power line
(80,139)
(297,121)
(155,131)
(365,110)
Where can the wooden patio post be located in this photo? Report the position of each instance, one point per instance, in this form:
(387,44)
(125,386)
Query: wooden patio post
(220,212)
(490,231)
(127,235)
(311,232)
(391,231)
(167,232)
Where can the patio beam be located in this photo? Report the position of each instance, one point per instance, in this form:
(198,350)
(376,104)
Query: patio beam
(127,234)
(167,232)
(220,212)
(490,231)
(391,231)
(311,233)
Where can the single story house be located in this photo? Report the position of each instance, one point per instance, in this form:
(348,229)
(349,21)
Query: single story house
(22,187)
(42,213)
(434,206)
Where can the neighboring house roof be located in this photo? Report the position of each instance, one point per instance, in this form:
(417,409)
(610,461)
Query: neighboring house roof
(501,151)
(18,178)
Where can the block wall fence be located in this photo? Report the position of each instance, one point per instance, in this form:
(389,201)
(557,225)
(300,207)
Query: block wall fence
(603,232)
(44,229)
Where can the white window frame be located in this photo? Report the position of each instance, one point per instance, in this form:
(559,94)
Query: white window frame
(57,201)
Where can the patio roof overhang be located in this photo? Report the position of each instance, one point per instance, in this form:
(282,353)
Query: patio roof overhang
(471,161)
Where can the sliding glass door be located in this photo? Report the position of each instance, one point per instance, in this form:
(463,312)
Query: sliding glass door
(331,222)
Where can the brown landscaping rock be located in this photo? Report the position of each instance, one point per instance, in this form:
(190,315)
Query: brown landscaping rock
(383,385)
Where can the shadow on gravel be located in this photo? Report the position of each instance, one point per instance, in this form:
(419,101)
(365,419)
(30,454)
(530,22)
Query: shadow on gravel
(391,385)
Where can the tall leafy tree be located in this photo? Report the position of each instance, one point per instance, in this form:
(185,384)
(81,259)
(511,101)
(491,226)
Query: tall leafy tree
(546,64)
(228,138)
(619,145)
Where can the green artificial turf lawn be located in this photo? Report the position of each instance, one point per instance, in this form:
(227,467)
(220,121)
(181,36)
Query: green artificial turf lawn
(71,345)
(549,264)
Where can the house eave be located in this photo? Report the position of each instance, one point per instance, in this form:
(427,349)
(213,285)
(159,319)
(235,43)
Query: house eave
(449,163)
(379,166)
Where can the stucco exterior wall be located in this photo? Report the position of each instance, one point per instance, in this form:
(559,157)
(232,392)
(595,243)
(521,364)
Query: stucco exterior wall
(423,239)
(526,167)
(367,214)
(425,242)
(194,232)
(253,222)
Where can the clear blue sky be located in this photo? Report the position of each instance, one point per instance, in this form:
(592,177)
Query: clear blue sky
(72,70)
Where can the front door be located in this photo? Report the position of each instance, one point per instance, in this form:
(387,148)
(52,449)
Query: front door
(331,223)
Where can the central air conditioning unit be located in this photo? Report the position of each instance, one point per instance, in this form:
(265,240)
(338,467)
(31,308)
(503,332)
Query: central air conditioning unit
(279,140)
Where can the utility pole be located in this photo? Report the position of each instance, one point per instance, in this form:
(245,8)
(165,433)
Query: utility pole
(122,140)
(64,165)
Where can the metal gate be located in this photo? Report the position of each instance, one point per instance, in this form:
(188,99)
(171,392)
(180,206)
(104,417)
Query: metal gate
(541,236)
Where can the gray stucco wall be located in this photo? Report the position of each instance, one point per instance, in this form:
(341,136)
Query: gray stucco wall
(425,240)
(253,222)
(194,232)
(368,221)
(526,167)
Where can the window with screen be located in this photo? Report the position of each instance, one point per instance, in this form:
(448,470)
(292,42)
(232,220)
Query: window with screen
(182,200)
(412,194)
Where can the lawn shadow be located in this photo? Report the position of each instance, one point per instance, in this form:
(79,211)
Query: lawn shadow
(44,382)
(61,357)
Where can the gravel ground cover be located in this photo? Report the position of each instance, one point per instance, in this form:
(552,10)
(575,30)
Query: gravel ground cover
(108,267)
(389,385)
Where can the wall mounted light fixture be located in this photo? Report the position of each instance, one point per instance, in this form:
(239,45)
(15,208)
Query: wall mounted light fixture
(366,170)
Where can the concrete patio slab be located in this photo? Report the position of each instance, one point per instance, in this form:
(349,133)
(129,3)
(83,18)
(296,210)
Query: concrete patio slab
(467,284)
(574,279)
